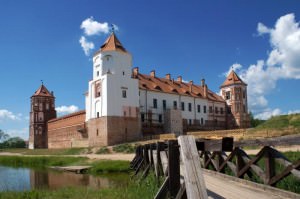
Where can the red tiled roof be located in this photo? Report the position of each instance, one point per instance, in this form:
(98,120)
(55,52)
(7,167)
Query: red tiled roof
(147,82)
(43,91)
(112,44)
(231,79)
(68,116)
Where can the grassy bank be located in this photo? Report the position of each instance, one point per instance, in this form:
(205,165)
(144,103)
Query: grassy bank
(71,151)
(134,190)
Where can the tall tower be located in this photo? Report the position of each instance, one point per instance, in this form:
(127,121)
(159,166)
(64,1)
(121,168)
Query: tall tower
(234,91)
(41,111)
(112,101)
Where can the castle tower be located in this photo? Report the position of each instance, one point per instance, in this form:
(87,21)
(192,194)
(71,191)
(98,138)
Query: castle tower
(41,111)
(234,91)
(112,101)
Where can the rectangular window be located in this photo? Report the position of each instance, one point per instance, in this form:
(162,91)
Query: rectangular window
(182,106)
(97,114)
(175,104)
(154,103)
(124,95)
(216,110)
(229,110)
(244,94)
(201,121)
(143,117)
(198,108)
(204,109)
(210,109)
(222,111)
(160,118)
(97,73)
(227,95)
(164,104)
(190,122)
(190,107)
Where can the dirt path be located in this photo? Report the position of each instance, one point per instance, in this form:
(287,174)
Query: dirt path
(279,148)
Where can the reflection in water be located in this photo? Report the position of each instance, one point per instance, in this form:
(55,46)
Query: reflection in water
(26,179)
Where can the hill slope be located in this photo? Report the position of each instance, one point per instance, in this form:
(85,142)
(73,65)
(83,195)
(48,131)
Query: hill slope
(281,122)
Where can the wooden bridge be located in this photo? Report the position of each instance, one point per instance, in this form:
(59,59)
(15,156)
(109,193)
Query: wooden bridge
(184,165)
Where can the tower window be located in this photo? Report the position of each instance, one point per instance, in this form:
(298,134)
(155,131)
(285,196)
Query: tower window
(244,108)
(143,117)
(190,107)
(164,104)
(227,95)
(210,109)
(97,73)
(198,108)
(97,132)
(221,109)
(123,73)
(97,114)
(124,95)
(182,106)
(244,94)
(154,103)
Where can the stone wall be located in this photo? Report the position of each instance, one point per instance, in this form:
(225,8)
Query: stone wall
(112,130)
(173,121)
(67,129)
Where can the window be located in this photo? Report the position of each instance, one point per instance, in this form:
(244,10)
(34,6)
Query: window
(204,109)
(244,94)
(123,73)
(124,94)
(216,110)
(143,117)
(97,132)
(244,108)
(182,106)
(154,103)
(175,104)
(201,121)
(164,104)
(190,122)
(97,114)
(160,118)
(229,110)
(198,108)
(210,109)
(227,95)
(97,73)
(190,107)
(222,110)
(98,94)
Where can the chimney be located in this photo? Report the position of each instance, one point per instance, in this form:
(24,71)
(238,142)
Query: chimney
(168,76)
(135,72)
(205,91)
(52,93)
(179,79)
(152,73)
(202,82)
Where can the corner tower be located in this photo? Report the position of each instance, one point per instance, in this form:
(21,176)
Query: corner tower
(112,100)
(234,91)
(41,111)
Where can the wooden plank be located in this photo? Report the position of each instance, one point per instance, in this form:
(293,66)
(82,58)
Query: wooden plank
(270,165)
(194,180)
(174,168)
(162,192)
(164,161)
(155,162)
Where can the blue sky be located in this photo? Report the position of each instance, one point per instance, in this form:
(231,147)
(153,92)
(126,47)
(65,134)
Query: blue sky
(195,39)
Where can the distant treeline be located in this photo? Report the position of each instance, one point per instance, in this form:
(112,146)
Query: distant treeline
(10,142)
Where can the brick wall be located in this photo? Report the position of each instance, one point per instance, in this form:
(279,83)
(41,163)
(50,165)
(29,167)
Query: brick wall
(67,129)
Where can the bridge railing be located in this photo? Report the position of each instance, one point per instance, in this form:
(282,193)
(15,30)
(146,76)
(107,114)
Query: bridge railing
(180,162)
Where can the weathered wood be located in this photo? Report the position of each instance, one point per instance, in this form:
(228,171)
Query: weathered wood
(269,164)
(174,170)
(146,172)
(194,180)
(155,163)
(285,173)
(182,192)
(164,161)
(163,190)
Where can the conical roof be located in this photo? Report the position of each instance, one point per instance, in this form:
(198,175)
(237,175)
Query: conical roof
(42,91)
(231,79)
(112,43)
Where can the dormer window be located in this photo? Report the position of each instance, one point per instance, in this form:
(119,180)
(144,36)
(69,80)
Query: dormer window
(107,57)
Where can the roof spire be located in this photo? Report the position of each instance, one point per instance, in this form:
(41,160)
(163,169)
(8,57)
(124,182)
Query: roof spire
(42,82)
(112,28)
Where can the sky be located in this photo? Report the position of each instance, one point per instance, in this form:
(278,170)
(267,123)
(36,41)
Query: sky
(54,41)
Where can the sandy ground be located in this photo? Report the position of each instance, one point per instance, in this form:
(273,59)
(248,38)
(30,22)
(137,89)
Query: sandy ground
(278,148)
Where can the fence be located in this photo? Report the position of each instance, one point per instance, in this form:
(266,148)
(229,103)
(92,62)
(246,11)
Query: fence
(183,179)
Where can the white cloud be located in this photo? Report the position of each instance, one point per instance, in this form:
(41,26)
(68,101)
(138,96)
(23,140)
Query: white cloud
(283,62)
(268,113)
(22,133)
(66,109)
(86,45)
(236,67)
(92,27)
(293,111)
(7,115)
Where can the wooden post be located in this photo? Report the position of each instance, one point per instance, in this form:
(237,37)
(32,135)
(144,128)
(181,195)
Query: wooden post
(193,177)
(239,164)
(269,165)
(174,168)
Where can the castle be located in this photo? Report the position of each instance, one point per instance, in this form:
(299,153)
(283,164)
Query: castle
(124,105)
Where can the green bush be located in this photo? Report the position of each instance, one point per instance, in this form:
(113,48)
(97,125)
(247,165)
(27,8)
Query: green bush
(124,148)
(103,150)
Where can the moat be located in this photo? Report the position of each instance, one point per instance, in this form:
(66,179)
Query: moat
(21,179)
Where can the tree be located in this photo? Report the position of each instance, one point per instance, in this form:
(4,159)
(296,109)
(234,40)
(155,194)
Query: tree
(255,122)
(14,142)
(3,136)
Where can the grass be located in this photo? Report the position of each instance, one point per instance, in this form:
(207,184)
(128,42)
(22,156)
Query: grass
(106,166)
(103,150)
(281,122)
(134,190)
(124,148)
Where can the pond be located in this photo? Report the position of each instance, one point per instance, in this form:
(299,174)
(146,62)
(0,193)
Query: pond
(20,179)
